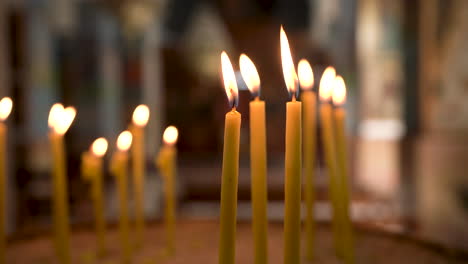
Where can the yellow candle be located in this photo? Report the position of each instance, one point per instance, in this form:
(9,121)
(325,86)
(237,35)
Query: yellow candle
(293,158)
(339,97)
(309,101)
(258,161)
(230,170)
(5,108)
(166,162)
(140,119)
(327,125)
(60,120)
(92,171)
(119,168)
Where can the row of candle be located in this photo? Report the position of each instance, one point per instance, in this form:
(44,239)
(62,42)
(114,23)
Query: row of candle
(300,125)
(60,119)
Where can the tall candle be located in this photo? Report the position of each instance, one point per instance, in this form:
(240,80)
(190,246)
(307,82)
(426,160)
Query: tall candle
(309,103)
(60,120)
(258,161)
(327,125)
(5,108)
(293,158)
(91,170)
(119,168)
(339,97)
(166,162)
(230,170)
(140,119)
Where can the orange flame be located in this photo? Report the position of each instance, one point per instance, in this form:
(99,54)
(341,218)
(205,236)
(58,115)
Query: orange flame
(339,91)
(99,147)
(229,79)
(249,74)
(124,141)
(170,135)
(141,115)
(306,76)
(60,118)
(327,83)
(6,104)
(289,73)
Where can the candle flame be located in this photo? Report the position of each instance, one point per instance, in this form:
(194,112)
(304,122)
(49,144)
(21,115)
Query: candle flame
(124,141)
(339,91)
(289,73)
(141,115)
(249,74)
(306,76)
(229,79)
(327,83)
(99,147)
(170,135)
(60,118)
(6,104)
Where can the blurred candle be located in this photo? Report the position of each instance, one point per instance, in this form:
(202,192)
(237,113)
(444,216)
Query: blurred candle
(140,119)
(230,170)
(119,168)
(293,158)
(166,162)
(339,98)
(309,104)
(258,161)
(327,125)
(6,105)
(60,119)
(91,170)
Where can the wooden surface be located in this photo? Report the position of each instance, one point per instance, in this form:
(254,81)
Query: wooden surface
(197,243)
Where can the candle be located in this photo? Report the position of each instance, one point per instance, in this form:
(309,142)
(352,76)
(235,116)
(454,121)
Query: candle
(325,93)
(5,108)
(339,98)
(60,119)
(166,162)
(293,157)
(91,170)
(119,168)
(230,170)
(140,119)
(309,101)
(258,161)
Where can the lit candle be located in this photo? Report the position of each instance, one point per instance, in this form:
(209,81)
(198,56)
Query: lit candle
(91,170)
(60,119)
(119,168)
(258,161)
(140,119)
(339,98)
(309,103)
(5,108)
(293,158)
(230,170)
(166,162)
(326,116)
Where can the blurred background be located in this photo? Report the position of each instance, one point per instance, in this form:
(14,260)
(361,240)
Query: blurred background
(405,64)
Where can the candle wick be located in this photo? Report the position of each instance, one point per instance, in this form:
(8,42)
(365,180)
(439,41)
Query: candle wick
(257,98)
(293,97)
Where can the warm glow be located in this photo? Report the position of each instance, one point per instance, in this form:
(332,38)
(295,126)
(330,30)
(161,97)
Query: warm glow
(249,74)
(61,118)
(229,79)
(289,72)
(170,135)
(306,76)
(141,115)
(339,91)
(124,141)
(5,108)
(99,147)
(327,83)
